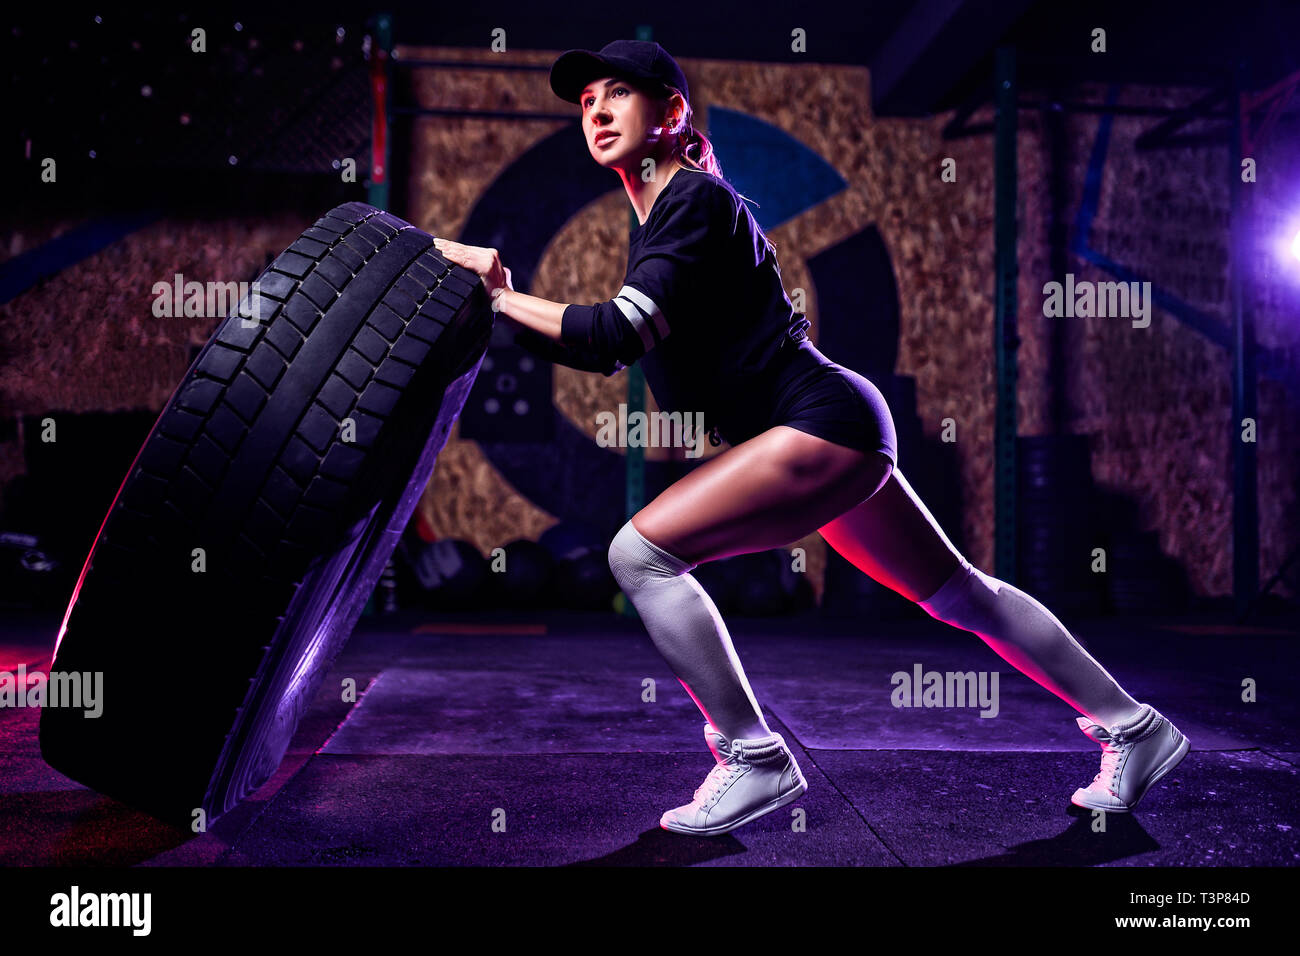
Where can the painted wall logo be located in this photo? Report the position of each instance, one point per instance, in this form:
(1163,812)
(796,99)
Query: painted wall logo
(651,430)
(1086,300)
(949,689)
(75,908)
(58,689)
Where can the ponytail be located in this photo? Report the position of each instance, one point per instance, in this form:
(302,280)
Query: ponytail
(705,160)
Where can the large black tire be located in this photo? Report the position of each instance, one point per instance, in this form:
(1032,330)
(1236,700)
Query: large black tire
(208,668)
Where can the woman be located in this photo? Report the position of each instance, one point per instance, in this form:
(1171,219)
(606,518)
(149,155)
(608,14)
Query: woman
(813,448)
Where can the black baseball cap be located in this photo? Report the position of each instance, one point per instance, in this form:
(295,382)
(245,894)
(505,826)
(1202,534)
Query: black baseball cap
(642,60)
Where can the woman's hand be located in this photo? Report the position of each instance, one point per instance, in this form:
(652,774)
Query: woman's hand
(481,260)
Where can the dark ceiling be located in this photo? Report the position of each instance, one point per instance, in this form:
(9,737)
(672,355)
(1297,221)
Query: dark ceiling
(129,89)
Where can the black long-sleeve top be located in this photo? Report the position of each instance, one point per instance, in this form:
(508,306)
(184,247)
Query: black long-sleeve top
(702,308)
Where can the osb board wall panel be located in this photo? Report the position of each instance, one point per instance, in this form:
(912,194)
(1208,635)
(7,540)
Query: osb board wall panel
(87,339)
(939,235)
(1152,398)
(1158,400)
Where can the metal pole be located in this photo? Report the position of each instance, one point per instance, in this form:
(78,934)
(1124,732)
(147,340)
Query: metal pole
(1245,503)
(381,53)
(1005,338)
(1058,246)
(634,464)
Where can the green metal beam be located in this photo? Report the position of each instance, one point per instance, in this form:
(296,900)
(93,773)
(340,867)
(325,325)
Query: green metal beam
(1245,501)
(1005,338)
(634,462)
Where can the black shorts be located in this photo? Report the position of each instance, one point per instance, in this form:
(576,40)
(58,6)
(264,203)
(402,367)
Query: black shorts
(817,396)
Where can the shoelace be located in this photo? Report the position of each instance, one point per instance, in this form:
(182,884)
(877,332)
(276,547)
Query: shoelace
(1110,754)
(717,779)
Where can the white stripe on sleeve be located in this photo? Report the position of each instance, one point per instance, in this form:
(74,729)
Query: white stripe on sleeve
(647,305)
(638,322)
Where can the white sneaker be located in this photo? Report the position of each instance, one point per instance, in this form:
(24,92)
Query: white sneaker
(752,777)
(1134,755)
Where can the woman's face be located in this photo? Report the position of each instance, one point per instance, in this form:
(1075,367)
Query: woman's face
(622,124)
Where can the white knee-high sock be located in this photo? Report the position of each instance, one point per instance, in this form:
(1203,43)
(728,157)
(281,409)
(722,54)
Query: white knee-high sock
(686,628)
(1030,638)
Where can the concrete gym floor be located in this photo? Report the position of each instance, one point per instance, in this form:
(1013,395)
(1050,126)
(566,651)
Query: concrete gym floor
(463,718)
